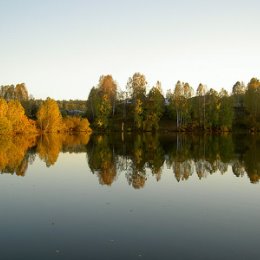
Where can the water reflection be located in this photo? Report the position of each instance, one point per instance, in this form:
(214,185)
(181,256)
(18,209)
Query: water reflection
(139,156)
(142,155)
(101,159)
(15,154)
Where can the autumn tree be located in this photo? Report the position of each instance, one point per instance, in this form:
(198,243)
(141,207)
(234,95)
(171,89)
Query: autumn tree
(76,124)
(13,119)
(102,101)
(107,86)
(49,117)
(5,126)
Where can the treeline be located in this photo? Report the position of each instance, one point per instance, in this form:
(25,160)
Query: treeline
(108,108)
(67,107)
(182,109)
(19,114)
(18,92)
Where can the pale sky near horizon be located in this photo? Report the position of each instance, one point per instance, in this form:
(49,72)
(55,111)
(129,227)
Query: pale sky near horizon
(59,48)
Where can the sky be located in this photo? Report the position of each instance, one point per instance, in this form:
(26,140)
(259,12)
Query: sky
(60,48)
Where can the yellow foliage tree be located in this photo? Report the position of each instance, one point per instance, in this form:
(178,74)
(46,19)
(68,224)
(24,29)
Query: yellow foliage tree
(20,123)
(13,119)
(76,124)
(49,118)
(3,108)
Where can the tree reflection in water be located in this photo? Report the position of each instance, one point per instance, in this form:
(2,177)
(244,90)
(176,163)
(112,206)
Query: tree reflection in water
(101,159)
(140,156)
(14,154)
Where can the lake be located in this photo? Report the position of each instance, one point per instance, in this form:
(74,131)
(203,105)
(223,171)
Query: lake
(124,196)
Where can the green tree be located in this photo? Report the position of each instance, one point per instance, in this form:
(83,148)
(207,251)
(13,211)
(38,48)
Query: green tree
(178,98)
(201,92)
(226,111)
(104,109)
(154,107)
(136,88)
(180,103)
(252,102)
(212,107)
(93,99)
(102,101)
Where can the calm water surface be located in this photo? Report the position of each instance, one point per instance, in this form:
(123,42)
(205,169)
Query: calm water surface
(130,197)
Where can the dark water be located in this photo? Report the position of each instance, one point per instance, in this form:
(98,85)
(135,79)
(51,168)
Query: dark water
(130,197)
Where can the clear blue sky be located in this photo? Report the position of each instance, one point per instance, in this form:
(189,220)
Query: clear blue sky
(59,48)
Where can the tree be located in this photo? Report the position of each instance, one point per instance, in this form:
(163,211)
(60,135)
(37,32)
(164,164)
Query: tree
(211,109)
(102,101)
(136,88)
(201,91)
(18,92)
(188,93)
(3,107)
(13,120)
(5,126)
(252,102)
(226,111)
(180,103)
(238,88)
(103,111)
(93,102)
(76,124)
(49,117)
(177,101)
(107,86)
(21,92)
(154,107)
